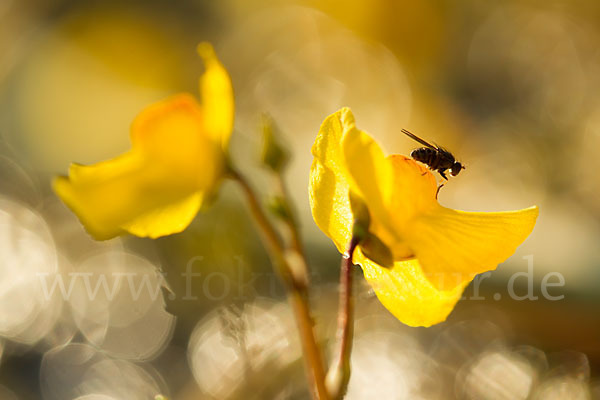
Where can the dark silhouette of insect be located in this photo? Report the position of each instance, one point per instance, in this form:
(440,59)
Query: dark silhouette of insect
(435,157)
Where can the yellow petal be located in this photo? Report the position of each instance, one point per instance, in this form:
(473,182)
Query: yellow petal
(328,186)
(96,193)
(370,173)
(413,190)
(453,244)
(407,293)
(119,195)
(162,221)
(156,188)
(172,133)
(216,93)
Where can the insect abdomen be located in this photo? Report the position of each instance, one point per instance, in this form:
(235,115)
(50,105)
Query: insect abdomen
(426,156)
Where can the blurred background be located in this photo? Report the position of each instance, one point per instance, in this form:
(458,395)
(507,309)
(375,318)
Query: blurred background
(512,88)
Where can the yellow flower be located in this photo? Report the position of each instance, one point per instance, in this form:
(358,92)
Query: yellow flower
(176,161)
(436,251)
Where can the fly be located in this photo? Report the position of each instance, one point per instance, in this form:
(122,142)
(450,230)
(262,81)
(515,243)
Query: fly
(435,157)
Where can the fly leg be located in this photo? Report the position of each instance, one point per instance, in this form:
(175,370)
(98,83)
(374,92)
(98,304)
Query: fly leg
(438,190)
(441,171)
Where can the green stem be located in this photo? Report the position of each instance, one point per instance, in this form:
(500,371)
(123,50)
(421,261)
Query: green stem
(290,221)
(338,375)
(297,291)
(295,251)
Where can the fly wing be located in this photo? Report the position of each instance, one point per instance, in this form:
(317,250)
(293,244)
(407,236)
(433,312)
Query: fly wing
(446,156)
(418,139)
